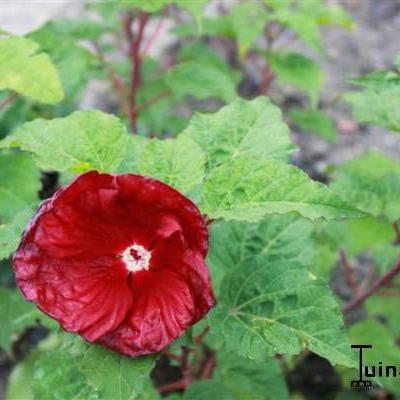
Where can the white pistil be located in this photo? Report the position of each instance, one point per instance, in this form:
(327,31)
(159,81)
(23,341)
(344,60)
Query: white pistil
(136,258)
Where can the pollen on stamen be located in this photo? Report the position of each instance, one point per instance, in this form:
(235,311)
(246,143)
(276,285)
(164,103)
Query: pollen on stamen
(136,258)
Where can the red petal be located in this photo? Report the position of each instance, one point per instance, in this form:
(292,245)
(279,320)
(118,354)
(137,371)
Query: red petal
(166,302)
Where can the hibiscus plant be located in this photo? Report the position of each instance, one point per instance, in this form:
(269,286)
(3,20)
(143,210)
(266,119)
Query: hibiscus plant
(166,245)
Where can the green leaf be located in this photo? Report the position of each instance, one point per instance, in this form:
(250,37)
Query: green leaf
(201,52)
(248,189)
(208,389)
(314,121)
(126,377)
(378,103)
(16,315)
(386,307)
(134,149)
(10,233)
(285,237)
(217,26)
(19,184)
(55,376)
(30,74)
(385,256)
(372,184)
(383,349)
(269,307)
(242,128)
(150,6)
(296,70)
(248,21)
(177,162)
(19,385)
(84,140)
(302,24)
(194,7)
(201,81)
(246,379)
(366,234)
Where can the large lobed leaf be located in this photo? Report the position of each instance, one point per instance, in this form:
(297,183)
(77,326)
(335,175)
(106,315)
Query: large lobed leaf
(268,307)
(126,377)
(84,140)
(28,73)
(245,379)
(248,189)
(285,237)
(242,128)
(177,162)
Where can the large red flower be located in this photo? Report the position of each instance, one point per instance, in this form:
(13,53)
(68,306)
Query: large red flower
(118,259)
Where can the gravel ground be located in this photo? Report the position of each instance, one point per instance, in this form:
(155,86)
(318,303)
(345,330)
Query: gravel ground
(372,45)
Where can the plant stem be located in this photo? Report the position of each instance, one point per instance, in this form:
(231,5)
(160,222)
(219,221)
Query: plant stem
(134,53)
(172,387)
(9,99)
(384,280)
(156,32)
(152,101)
(348,270)
(208,367)
(114,78)
(397,230)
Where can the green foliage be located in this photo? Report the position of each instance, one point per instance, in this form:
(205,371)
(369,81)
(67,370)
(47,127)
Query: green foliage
(372,184)
(248,189)
(17,314)
(125,376)
(384,348)
(10,233)
(19,186)
(296,70)
(278,237)
(269,307)
(201,80)
(83,141)
(242,128)
(248,20)
(30,74)
(177,162)
(246,379)
(207,390)
(378,102)
(314,121)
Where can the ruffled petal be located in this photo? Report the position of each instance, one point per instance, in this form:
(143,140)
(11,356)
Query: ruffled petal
(166,302)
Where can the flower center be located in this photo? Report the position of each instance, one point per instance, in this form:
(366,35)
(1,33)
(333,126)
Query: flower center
(136,258)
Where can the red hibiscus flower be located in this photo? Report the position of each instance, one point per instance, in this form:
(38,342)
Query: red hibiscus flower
(118,259)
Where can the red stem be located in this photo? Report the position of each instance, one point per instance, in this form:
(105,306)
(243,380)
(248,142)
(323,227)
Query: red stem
(172,387)
(155,33)
(134,54)
(208,367)
(384,280)
(9,99)
(348,270)
(199,338)
(397,230)
(152,101)
(114,78)
(268,77)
